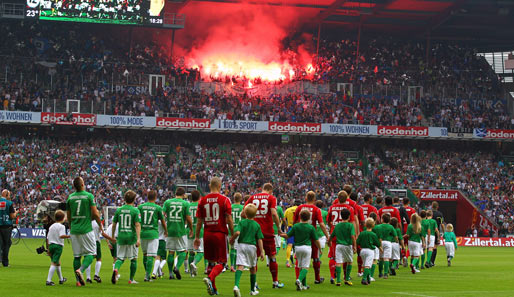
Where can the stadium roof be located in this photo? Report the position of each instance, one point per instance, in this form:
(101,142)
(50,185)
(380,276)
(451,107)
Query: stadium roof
(487,24)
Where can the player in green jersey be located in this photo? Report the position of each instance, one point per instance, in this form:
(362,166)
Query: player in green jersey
(434,233)
(151,214)
(278,239)
(425,233)
(416,241)
(195,255)
(387,236)
(81,209)
(237,209)
(321,235)
(128,219)
(344,233)
(369,242)
(396,251)
(177,215)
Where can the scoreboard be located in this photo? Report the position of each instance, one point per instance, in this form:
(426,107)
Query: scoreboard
(121,12)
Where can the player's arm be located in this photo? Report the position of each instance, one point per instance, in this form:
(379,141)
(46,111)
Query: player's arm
(95,214)
(164,227)
(114,225)
(354,243)
(138,233)
(324,229)
(261,248)
(230,223)
(233,237)
(276,219)
(189,223)
(199,224)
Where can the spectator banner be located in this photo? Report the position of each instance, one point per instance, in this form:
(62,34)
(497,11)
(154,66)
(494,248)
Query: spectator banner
(485,241)
(349,129)
(294,127)
(20,117)
(183,123)
(493,133)
(131,89)
(61,118)
(125,121)
(439,195)
(264,90)
(402,131)
(437,132)
(240,125)
(28,233)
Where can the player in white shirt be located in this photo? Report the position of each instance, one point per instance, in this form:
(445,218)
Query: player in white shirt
(160,260)
(112,246)
(55,244)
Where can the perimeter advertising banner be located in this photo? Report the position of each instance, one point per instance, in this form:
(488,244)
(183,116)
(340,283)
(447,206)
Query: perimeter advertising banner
(485,241)
(403,131)
(61,118)
(183,123)
(125,121)
(234,125)
(493,133)
(20,117)
(294,127)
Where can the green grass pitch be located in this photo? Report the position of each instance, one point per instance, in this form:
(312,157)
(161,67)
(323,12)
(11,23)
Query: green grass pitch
(475,272)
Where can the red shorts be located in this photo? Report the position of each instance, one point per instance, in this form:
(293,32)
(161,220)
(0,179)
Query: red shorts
(315,251)
(215,247)
(268,243)
(332,249)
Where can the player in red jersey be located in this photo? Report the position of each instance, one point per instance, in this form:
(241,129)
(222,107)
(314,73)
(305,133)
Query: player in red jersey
(390,209)
(267,215)
(354,205)
(333,218)
(406,213)
(214,214)
(316,218)
(367,209)
(358,211)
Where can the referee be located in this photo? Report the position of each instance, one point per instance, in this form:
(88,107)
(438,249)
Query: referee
(438,217)
(7,215)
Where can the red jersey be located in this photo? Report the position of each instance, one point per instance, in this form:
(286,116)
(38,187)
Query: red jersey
(367,209)
(393,211)
(264,202)
(213,209)
(316,216)
(410,211)
(334,214)
(357,210)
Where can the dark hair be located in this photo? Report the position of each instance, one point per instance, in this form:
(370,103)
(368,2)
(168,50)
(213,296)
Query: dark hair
(345,214)
(305,215)
(379,200)
(130,196)
(396,200)
(435,205)
(423,214)
(59,215)
(347,189)
(394,222)
(152,195)
(319,204)
(195,195)
(389,200)
(368,197)
(354,196)
(77,183)
(405,201)
(386,217)
(373,216)
(267,187)
(180,191)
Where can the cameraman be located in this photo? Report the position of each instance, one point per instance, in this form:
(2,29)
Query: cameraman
(7,215)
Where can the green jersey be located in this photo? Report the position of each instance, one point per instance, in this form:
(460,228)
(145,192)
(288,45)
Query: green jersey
(368,240)
(249,232)
(450,237)
(193,207)
(399,233)
(432,226)
(424,227)
(79,204)
(324,214)
(237,209)
(126,218)
(151,214)
(413,236)
(303,234)
(176,211)
(280,213)
(343,233)
(386,232)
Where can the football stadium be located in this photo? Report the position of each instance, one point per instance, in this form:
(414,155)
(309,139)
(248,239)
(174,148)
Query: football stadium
(257,147)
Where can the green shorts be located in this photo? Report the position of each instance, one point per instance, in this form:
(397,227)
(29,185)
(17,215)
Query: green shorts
(98,250)
(161,251)
(114,250)
(55,251)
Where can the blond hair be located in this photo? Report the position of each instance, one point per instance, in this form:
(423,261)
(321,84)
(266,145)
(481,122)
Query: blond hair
(215,183)
(342,196)
(369,223)
(415,221)
(449,228)
(250,210)
(311,196)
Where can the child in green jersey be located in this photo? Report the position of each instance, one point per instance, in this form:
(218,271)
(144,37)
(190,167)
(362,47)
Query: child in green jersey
(376,257)
(195,255)
(434,233)
(344,233)
(396,251)
(387,236)
(129,236)
(249,236)
(368,241)
(450,243)
(55,243)
(425,233)
(237,209)
(416,241)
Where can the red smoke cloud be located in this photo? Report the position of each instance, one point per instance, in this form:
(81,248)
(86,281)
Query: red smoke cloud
(242,40)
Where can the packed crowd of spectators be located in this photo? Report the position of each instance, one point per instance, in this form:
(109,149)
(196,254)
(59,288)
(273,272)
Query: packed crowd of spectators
(43,168)
(41,63)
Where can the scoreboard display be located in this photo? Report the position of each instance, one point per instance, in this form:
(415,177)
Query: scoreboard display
(121,12)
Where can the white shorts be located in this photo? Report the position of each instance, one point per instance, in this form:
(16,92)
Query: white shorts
(176,244)
(127,252)
(432,241)
(415,248)
(395,255)
(367,256)
(303,255)
(83,244)
(150,247)
(246,255)
(377,254)
(323,242)
(191,246)
(344,253)
(387,250)
(450,249)
(278,241)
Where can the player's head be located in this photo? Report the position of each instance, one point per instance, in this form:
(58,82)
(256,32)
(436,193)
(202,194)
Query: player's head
(6,194)
(379,200)
(345,214)
(423,214)
(415,221)
(347,189)
(267,188)
(195,195)
(369,223)
(310,197)
(305,215)
(78,184)
(429,213)
(59,215)
(320,204)
(215,184)
(238,197)
(396,200)
(342,196)
(130,196)
(250,210)
(449,228)
(180,192)
(435,205)
(152,196)
(373,216)
(405,201)
(353,196)
(394,222)
(368,198)
(386,218)
(388,200)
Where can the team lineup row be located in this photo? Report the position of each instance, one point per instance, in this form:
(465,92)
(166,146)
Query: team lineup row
(254,229)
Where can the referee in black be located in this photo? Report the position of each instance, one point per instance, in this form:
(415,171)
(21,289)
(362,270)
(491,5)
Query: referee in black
(438,217)
(7,216)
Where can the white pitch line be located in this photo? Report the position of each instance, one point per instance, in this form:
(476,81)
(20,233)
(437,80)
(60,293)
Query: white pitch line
(411,294)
